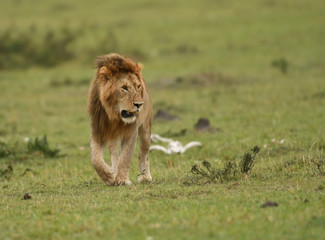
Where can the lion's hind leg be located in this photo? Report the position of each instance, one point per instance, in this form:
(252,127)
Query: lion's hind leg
(97,161)
(143,160)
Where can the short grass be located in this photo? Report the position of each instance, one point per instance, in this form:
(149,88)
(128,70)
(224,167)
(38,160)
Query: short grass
(248,97)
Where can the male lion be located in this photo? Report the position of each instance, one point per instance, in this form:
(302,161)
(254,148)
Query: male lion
(120,109)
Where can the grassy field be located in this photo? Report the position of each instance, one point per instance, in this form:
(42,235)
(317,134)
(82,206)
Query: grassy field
(254,69)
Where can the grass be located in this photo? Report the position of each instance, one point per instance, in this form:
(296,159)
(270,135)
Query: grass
(254,69)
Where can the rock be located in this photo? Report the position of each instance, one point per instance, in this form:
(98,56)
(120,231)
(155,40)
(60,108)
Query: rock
(269,204)
(164,116)
(203,125)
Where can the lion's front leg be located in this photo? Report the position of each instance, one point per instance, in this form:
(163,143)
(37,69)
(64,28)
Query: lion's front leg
(144,142)
(128,146)
(102,169)
(114,150)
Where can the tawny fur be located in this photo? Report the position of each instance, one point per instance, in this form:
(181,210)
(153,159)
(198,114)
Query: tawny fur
(118,85)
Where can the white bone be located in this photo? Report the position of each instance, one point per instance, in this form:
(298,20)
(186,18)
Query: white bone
(157,138)
(159,148)
(192,144)
(173,146)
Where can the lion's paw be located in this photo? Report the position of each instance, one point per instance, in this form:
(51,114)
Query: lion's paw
(122,182)
(108,180)
(108,183)
(144,178)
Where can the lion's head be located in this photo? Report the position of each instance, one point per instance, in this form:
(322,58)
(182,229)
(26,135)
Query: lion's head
(120,87)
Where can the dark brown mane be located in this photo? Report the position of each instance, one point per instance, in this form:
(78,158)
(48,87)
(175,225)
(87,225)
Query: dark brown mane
(118,64)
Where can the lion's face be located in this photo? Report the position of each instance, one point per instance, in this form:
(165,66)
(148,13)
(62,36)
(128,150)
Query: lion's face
(129,96)
(119,86)
(121,95)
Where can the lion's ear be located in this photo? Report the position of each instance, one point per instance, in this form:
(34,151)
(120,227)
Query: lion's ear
(139,66)
(100,61)
(104,72)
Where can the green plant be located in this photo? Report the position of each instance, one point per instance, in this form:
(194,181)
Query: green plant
(6,173)
(4,150)
(247,161)
(282,64)
(41,145)
(230,171)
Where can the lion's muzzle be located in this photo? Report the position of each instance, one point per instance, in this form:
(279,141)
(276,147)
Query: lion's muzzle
(126,114)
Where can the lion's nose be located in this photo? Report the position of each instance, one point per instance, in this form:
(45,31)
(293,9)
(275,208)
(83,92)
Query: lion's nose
(138,104)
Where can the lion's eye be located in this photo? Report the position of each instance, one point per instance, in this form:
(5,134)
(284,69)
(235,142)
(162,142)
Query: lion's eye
(125,88)
(139,86)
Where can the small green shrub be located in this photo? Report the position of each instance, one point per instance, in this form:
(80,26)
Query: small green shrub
(4,150)
(41,145)
(247,161)
(13,150)
(6,173)
(18,151)
(281,64)
(230,171)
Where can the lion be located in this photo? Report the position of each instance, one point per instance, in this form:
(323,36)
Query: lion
(120,109)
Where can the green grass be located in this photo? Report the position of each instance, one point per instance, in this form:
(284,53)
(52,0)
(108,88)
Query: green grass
(248,97)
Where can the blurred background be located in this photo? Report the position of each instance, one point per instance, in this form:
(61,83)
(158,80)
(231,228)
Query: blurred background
(223,60)
(186,36)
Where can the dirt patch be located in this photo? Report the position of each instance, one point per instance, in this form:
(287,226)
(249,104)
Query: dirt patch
(205,79)
(319,95)
(67,81)
(27,196)
(164,116)
(203,125)
(269,204)
(196,80)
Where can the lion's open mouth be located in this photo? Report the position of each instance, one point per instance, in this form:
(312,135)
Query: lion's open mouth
(126,114)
